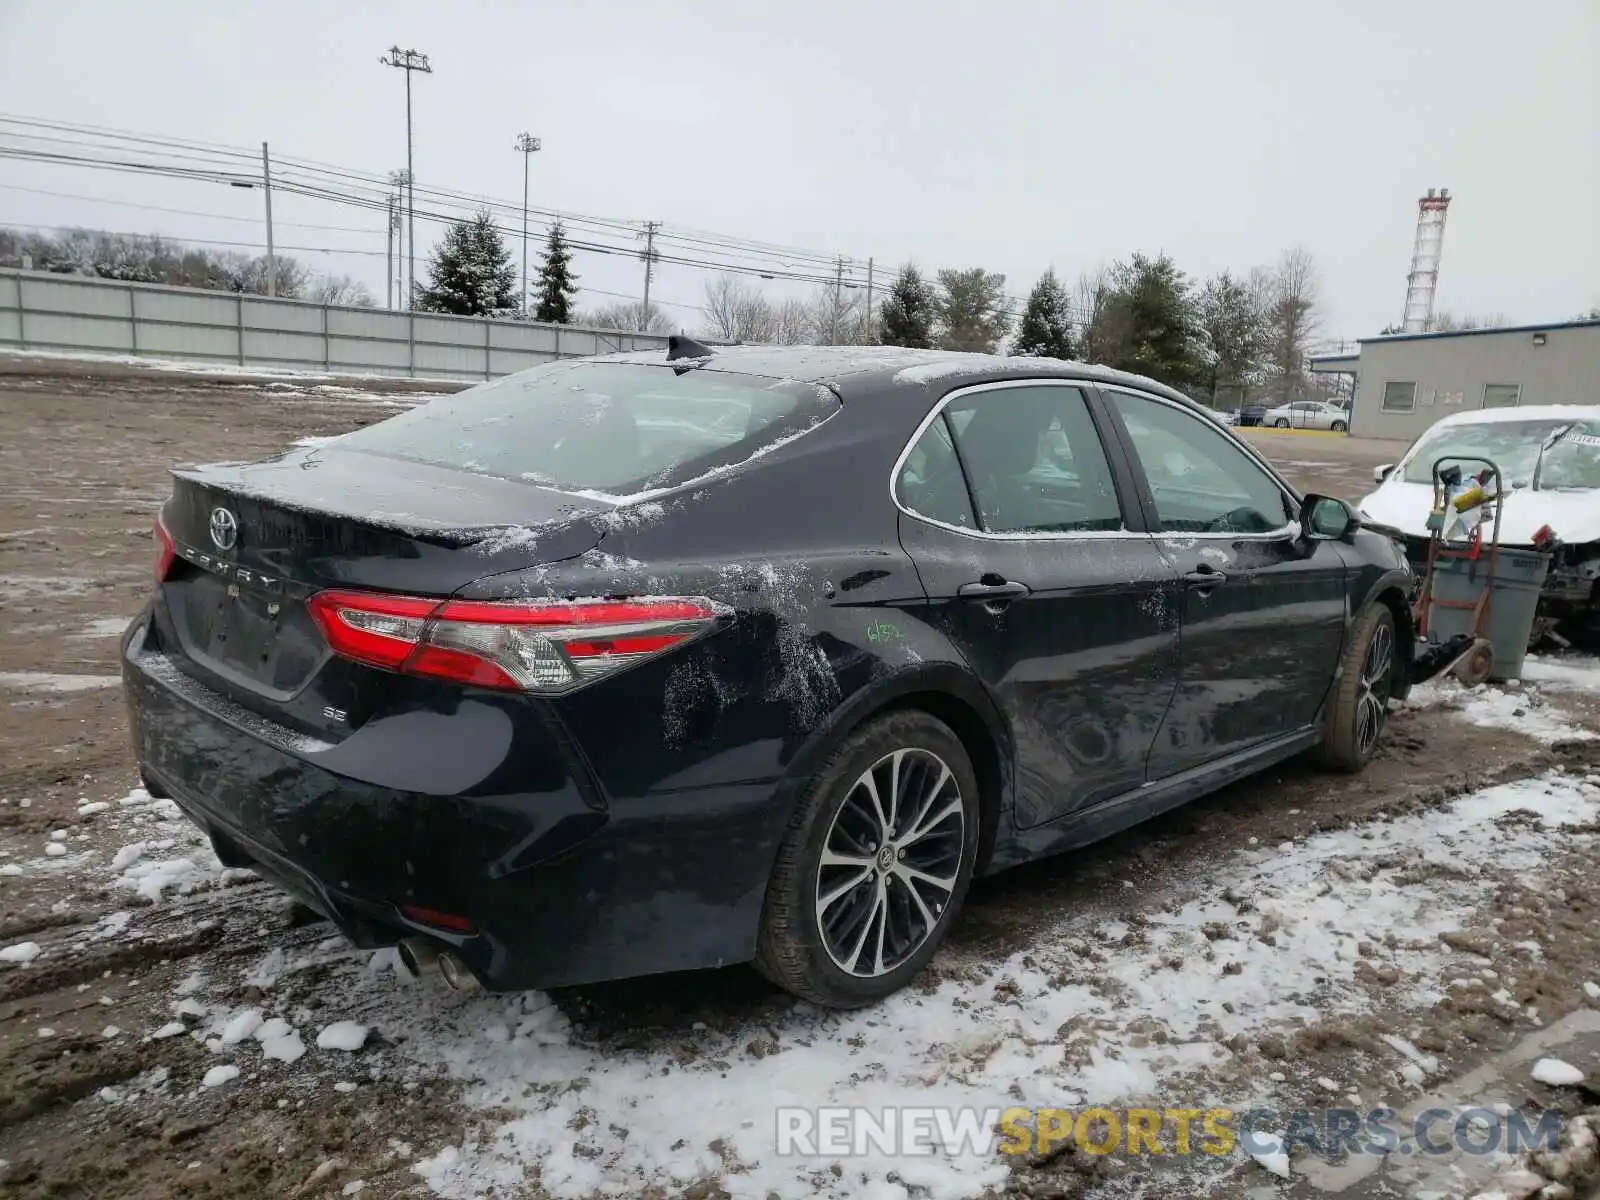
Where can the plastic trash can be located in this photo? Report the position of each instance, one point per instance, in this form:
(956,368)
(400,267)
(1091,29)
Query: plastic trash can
(1518,580)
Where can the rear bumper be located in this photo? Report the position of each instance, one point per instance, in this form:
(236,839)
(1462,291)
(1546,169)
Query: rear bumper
(481,808)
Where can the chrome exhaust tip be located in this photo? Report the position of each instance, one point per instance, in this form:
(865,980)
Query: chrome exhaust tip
(420,956)
(456,973)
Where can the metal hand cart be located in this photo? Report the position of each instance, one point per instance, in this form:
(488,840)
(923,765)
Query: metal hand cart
(1460,590)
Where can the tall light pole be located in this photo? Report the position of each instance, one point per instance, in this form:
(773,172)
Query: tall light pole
(409,61)
(528,145)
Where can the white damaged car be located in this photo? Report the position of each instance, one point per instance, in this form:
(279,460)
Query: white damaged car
(1549,457)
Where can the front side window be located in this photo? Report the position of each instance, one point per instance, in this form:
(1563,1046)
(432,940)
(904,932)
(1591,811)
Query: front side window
(1034,461)
(1201,481)
(1399,397)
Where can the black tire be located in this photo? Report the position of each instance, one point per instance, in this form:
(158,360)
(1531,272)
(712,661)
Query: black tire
(1358,707)
(1281,423)
(793,949)
(1339,427)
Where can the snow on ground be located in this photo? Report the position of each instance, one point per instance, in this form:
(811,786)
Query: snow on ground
(1093,1011)
(207,367)
(45,681)
(1526,709)
(1147,1008)
(103,627)
(1565,674)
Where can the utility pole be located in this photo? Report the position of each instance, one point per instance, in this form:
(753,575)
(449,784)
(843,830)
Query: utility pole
(409,61)
(397,180)
(650,228)
(272,260)
(838,300)
(528,145)
(388,252)
(868,332)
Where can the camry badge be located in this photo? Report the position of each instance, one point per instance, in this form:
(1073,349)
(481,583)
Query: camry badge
(224,529)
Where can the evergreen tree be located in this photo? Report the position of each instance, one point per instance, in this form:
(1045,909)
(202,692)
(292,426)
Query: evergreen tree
(1156,322)
(973,311)
(1046,328)
(471,272)
(1233,324)
(557,286)
(906,317)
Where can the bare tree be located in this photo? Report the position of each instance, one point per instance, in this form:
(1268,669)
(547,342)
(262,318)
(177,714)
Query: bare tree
(631,318)
(736,311)
(1291,319)
(791,322)
(836,317)
(340,289)
(1091,300)
(1446,321)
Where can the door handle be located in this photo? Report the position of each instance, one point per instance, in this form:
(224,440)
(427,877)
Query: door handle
(992,587)
(1203,578)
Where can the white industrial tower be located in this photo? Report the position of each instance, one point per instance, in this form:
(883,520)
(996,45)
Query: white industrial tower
(1424,278)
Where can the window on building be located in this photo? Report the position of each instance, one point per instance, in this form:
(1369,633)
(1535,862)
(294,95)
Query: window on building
(1399,397)
(1502,395)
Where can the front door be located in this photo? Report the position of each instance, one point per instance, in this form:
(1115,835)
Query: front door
(1264,610)
(1015,520)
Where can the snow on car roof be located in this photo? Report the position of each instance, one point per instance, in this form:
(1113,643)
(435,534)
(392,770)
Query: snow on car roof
(819,364)
(1532,412)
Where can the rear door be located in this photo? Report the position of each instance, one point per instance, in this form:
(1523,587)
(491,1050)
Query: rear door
(1017,519)
(1263,610)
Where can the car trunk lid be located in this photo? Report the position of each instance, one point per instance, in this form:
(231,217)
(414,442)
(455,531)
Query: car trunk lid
(254,541)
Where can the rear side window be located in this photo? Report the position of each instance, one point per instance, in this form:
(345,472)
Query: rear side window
(601,427)
(1034,460)
(931,484)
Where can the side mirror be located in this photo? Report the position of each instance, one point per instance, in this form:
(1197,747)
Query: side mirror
(1326,519)
(1379,474)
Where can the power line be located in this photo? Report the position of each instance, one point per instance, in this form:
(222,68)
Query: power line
(180,212)
(689,236)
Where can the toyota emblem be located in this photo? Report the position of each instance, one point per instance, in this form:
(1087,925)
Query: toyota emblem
(224,529)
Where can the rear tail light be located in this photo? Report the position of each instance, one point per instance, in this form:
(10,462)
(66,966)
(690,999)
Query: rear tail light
(541,646)
(165,550)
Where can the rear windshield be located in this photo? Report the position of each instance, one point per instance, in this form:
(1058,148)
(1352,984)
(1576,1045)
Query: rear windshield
(601,427)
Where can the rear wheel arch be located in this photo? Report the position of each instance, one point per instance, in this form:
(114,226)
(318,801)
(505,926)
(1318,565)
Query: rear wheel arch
(982,749)
(947,693)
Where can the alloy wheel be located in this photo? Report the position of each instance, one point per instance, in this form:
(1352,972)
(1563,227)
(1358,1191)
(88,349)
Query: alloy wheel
(1376,683)
(890,862)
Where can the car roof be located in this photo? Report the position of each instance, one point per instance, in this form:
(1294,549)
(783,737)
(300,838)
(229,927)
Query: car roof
(859,370)
(1533,412)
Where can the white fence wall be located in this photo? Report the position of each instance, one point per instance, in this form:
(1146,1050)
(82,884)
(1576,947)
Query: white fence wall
(39,311)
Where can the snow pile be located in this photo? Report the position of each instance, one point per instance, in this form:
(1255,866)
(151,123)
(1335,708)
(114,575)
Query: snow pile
(21,953)
(1556,1073)
(279,1040)
(217,1076)
(342,1035)
(1092,1011)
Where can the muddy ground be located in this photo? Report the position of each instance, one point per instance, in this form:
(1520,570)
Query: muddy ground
(100,1107)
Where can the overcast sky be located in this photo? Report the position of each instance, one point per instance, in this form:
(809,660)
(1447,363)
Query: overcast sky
(1009,134)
